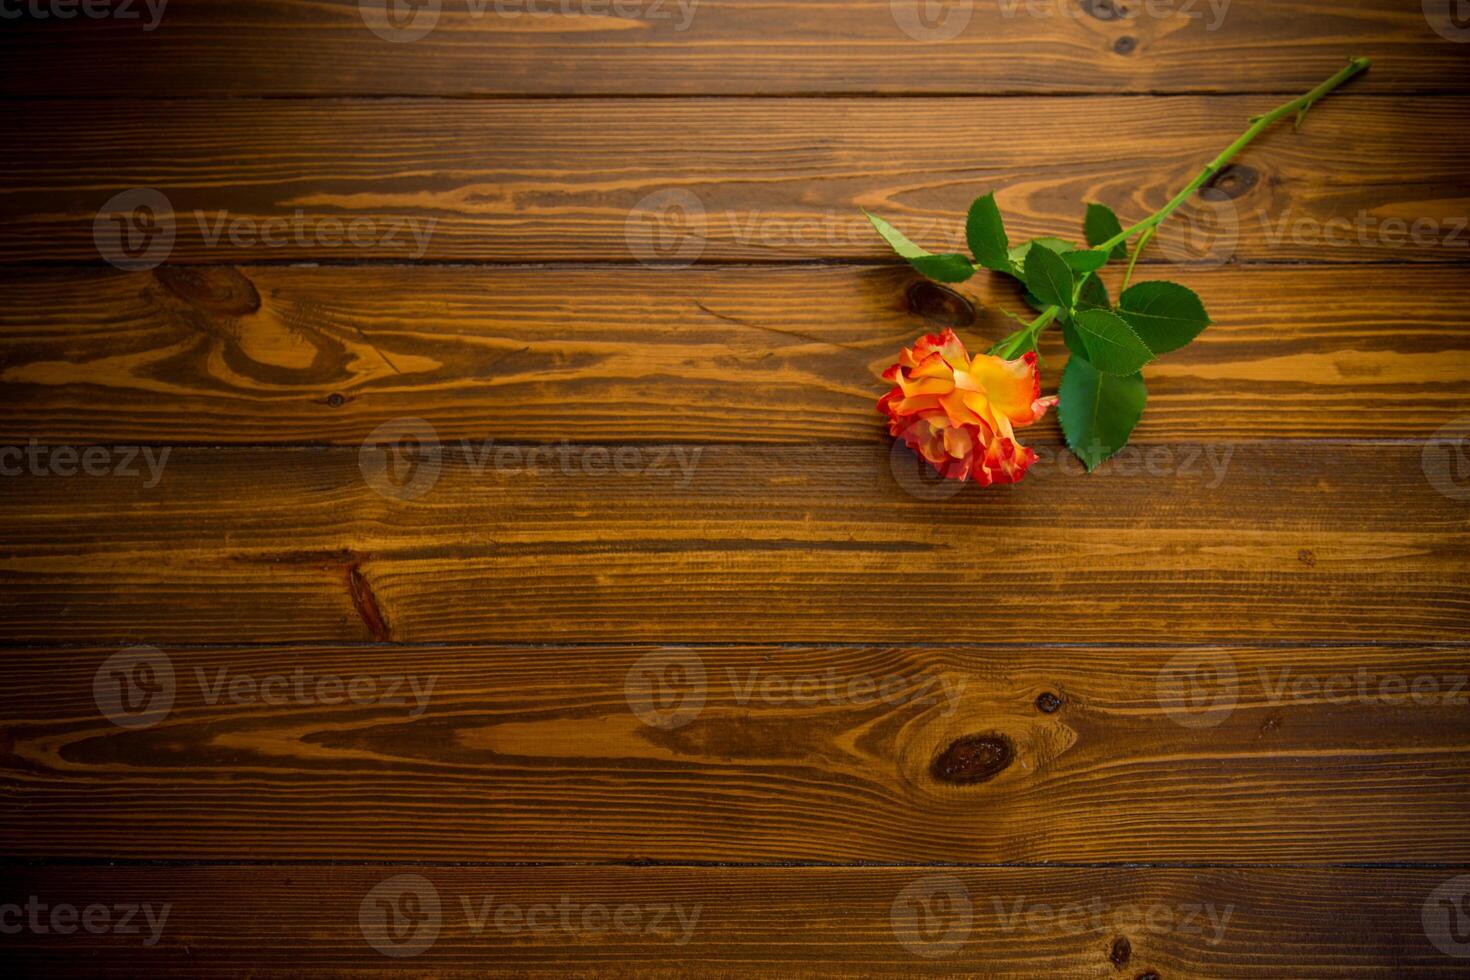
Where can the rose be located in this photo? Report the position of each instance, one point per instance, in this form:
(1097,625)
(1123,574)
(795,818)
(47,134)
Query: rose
(1102,390)
(960,413)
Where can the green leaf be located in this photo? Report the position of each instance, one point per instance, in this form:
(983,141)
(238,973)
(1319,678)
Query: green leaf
(986,234)
(944,268)
(1111,344)
(1098,411)
(1073,339)
(1048,277)
(1094,295)
(1102,224)
(1019,253)
(1165,315)
(1085,261)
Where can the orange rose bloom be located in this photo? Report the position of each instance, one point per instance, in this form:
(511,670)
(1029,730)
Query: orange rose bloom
(960,413)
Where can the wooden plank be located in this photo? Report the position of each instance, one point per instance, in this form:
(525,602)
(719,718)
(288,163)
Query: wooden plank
(753,179)
(488,542)
(267,354)
(1265,923)
(733,754)
(275,47)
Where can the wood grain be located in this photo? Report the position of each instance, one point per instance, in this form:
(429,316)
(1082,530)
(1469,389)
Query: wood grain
(1257,540)
(759,180)
(733,754)
(274,921)
(275,47)
(261,355)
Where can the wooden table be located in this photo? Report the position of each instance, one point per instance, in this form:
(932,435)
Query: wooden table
(447,526)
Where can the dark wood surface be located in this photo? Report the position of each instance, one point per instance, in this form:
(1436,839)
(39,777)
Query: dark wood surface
(782,180)
(267,355)
(1201,714)
(739,47)
(806,921)
(516,753)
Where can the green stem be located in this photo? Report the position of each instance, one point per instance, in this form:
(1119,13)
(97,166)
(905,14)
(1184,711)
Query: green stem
(1143,241)
(1258,125)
